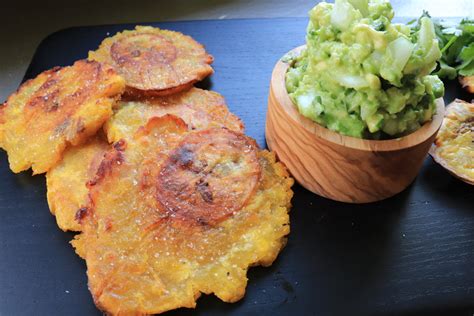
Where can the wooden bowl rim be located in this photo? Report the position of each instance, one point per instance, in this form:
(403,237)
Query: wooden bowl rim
(419,136)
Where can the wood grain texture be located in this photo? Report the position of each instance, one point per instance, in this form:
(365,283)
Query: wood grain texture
(339,167)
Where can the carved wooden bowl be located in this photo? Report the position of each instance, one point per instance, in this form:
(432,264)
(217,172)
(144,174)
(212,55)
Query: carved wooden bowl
(339,167)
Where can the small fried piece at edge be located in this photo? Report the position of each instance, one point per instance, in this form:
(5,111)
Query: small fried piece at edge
(454,144)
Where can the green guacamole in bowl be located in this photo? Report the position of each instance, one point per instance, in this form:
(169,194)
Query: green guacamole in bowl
(362,75)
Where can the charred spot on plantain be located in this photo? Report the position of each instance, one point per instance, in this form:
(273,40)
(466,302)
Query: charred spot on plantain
(120,145)
(80,126)
(52,79)
(203,188)
(108,225)
(61,128)
(113,157)
(97,65)
(202,221)
(184,157)
(50,82)
(81,214)
(48,100)
(466,126)
(53,106)
(199,166)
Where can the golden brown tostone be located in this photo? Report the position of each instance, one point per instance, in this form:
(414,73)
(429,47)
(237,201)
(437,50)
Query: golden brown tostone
(154,61)
(147,251)
(60,107)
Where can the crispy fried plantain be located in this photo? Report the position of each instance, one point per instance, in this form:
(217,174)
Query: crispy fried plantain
(154,61)
(59,107)
(66,181)
(467,83)
(454,145)
(198,108)
(175,213)
(67,193)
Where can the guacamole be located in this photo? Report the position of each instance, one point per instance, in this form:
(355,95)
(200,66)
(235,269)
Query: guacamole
(363,76)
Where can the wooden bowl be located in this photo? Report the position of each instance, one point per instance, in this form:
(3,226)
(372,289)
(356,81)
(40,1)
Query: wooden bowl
(339,167)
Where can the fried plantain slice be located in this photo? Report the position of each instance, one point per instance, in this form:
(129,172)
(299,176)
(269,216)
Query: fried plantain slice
(209,176)
(59,107)
(454,145)
(175,213)
(66,181)
(198,108)
(467,83)
(154,61)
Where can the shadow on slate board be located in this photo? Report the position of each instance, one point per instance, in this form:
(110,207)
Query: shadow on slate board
(411,254)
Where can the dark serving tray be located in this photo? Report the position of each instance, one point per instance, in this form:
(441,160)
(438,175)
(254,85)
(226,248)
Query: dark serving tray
(410,254)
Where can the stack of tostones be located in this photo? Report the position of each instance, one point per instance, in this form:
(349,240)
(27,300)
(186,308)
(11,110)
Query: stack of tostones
(171,198)
(454,145)
(67,193)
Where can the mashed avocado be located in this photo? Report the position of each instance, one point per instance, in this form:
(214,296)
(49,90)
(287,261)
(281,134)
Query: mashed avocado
(363,76)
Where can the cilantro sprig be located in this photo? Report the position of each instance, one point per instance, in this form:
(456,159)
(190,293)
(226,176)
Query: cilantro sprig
(456,41)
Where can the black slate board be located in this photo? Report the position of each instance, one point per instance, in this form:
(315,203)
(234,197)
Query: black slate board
(411,254)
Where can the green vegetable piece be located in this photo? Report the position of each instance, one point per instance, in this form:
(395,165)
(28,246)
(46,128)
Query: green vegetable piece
(361,5)
(457,48)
